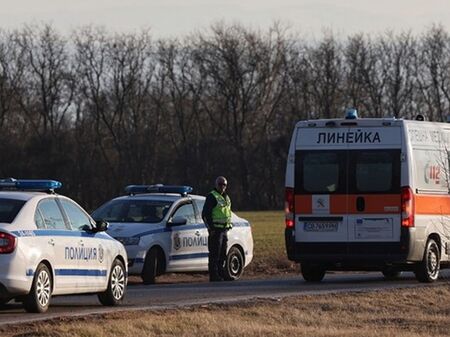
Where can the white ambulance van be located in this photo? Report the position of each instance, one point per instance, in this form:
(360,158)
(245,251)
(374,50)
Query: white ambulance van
(368,194)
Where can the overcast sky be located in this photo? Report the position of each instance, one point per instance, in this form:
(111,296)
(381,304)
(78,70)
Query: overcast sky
(177,18)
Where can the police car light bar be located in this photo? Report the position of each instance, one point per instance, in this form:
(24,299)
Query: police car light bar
(30,184)
(159,188)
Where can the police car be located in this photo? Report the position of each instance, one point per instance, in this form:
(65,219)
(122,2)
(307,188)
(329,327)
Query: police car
(50,246)
(163,231)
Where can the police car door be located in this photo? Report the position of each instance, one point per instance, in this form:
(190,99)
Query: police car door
(89,250)
(189,241)
(57,239)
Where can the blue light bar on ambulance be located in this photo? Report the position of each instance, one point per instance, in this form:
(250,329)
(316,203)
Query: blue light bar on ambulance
(30,184)
(351,113)
(159,188)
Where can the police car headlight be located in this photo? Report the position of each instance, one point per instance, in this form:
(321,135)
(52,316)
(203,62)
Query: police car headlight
(128,241)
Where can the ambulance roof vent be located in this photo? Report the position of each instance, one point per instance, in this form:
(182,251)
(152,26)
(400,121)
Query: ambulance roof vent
(420,117)
(351,113)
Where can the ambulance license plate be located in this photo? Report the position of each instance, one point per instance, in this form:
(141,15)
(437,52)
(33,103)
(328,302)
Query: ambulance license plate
(320,226)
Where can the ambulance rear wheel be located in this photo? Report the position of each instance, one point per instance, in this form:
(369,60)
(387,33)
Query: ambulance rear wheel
(312,273)
(428,269)
(38,300)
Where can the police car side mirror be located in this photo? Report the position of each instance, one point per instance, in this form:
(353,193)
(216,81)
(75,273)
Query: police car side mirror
(101,225)
(177,221)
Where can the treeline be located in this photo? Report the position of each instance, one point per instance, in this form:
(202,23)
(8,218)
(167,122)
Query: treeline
(99,111)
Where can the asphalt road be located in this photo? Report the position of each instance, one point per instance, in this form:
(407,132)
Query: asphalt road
(162,296)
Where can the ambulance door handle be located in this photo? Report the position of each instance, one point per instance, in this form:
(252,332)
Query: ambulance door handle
(360,204)
(51,242)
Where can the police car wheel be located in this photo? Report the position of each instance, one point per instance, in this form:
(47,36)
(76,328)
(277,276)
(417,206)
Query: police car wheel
(234,265)
(312,273)
(38,300)
(115,292)
(428,269)
(152,267)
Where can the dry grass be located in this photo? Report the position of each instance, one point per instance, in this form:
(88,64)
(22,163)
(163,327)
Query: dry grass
(269,247)
(407,312)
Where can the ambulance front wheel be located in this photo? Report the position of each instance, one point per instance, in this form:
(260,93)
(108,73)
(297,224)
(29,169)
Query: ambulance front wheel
(427,270)
(312,273)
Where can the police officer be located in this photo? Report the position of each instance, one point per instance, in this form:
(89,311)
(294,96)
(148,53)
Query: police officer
(217,217)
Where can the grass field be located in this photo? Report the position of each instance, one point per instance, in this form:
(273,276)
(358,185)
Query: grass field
(269,248)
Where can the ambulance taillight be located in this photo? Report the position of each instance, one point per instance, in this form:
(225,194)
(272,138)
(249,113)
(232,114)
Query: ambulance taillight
(407,198)
(289,207)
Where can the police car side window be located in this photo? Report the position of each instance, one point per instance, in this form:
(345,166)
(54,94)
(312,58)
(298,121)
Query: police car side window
(187,211)
(200,204)
(53,218)
(76,216)
(39,220)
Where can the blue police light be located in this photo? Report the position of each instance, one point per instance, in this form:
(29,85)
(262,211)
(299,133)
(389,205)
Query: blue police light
(351,113)
(30,184)
(159,188)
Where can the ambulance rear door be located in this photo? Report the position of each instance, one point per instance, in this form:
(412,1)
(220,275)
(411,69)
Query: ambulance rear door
(347,188)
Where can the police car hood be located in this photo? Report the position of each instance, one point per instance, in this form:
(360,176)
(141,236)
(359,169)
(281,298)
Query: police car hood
(126,229)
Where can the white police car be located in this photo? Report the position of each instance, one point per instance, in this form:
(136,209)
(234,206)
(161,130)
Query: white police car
(162,230)
(50,246)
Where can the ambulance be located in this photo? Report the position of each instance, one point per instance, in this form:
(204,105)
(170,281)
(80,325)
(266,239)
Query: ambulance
(368,195)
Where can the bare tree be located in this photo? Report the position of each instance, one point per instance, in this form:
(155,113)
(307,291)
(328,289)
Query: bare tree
(243,87)
(47,83)
(326,68)
(398,54)
(433,74)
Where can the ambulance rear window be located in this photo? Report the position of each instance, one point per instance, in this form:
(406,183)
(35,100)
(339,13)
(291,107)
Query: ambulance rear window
(376,171)
(320,171)
(9,209)
(347,171)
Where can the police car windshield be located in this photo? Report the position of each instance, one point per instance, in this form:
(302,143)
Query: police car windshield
(9,209)
(132,210)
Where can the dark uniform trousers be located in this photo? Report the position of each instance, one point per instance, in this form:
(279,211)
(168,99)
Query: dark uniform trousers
(217,246)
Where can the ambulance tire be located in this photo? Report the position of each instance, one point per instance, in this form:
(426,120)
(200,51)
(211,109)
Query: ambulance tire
(117,283)
(152,266)
(391,274)
(38,300)
(234,265)
(427,270)
(312,273)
